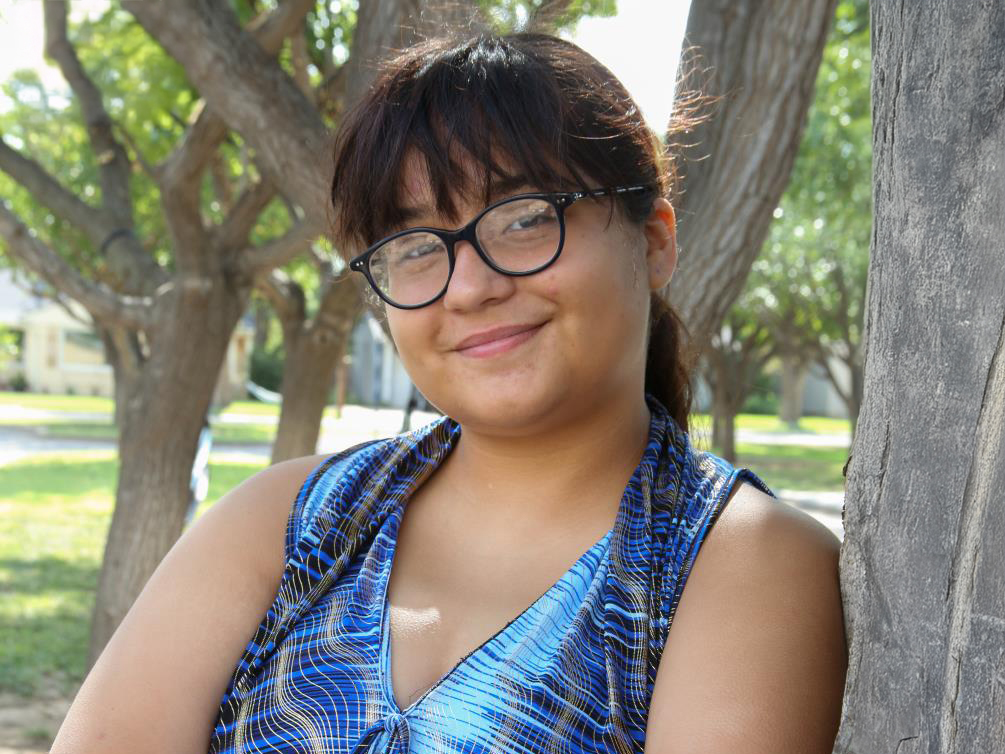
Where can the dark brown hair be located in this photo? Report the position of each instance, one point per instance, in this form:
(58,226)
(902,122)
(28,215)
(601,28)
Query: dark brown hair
(530,107)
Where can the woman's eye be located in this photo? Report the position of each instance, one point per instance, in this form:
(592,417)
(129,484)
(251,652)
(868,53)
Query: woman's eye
(418,252)
(531,221)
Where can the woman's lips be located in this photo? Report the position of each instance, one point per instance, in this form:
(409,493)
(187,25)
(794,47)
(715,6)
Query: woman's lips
(496,341)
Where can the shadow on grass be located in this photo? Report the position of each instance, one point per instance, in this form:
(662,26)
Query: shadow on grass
(44,622)
(24,576)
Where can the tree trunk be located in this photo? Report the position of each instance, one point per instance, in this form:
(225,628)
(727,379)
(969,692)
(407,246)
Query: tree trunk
(921,562)
(725,419)
(764,56)
(163,411)
(724,382)
(308,376)
(260,312)
(314,351)
(793,382)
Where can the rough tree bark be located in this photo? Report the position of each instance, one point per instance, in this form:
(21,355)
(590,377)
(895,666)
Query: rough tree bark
(921,563)
(763,57)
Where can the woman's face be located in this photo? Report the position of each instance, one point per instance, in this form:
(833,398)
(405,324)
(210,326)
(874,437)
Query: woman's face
(517,355)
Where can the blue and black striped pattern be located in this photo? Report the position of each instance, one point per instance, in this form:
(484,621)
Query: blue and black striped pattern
(573,673)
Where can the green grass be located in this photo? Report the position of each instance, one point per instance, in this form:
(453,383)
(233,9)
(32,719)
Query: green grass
(770,423)
(794,467)
(54,514)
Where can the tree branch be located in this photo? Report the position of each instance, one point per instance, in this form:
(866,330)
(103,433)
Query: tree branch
(233,232)
(51,193)
(285,296)
(137,271)
(341,301)
(278,251)
(181,173)
(148,168)
(185,164)
(546,16)
(253,95)
(113,161)
(105,305)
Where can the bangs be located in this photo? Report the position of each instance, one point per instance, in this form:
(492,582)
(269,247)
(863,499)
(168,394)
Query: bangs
(477,118)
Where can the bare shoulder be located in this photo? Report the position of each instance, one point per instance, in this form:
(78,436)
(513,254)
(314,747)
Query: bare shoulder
(158,683)
(756,656)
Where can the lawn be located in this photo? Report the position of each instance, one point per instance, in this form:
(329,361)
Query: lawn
(794,467)
(770,423)
(55,512)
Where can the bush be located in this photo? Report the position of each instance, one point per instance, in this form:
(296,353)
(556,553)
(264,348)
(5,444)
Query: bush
(267,368)
(763,398)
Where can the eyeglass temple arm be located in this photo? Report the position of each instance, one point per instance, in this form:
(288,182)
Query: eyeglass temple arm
(610,191)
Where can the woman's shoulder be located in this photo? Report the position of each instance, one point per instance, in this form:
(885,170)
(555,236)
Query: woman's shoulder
(758,632)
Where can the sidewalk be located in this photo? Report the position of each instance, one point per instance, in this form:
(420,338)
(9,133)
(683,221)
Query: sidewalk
(824,506)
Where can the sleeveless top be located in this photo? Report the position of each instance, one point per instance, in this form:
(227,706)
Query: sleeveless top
(574,672)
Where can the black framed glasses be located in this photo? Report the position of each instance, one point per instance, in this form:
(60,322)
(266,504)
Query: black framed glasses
(517,236)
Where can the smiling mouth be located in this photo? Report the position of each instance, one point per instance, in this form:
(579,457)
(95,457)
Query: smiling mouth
(494,342)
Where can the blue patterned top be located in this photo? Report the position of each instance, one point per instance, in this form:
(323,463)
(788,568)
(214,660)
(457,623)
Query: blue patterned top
(574,672)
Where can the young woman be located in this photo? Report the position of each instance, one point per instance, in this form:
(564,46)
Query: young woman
(510,209)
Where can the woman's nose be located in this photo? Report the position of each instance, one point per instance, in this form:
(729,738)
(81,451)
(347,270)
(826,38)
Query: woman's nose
(473,283)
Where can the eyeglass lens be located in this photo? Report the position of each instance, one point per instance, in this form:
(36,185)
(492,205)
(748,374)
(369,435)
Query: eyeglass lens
(518,236)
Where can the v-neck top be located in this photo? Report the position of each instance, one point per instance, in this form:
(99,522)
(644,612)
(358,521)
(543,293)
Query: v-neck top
(573,672)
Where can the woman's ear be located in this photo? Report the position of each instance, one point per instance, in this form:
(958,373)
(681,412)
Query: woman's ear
(661,243)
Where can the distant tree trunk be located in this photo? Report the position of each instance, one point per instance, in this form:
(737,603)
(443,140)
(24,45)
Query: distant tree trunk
(850,394)
(314,348)
(260,311)
(921,562)
(724,427)
(763,57)
(793,383)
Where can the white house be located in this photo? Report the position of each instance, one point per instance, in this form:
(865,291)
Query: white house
(61,353)
(376,375)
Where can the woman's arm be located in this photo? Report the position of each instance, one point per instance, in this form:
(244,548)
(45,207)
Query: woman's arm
(157,685)
(756,657)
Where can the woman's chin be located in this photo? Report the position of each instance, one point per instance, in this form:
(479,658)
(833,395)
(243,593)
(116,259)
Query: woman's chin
(505,410)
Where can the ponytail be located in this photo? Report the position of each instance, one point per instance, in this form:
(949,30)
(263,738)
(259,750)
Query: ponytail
(669,360)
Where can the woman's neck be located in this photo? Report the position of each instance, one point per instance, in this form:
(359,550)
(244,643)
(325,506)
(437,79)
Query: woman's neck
(579,466)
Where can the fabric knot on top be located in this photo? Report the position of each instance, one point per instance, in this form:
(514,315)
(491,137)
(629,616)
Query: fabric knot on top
(388,735)
(395,724)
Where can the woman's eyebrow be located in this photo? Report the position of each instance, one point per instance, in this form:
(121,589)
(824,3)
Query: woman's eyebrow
(498,189)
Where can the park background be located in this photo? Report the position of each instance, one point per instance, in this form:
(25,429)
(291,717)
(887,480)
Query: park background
(91,230)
